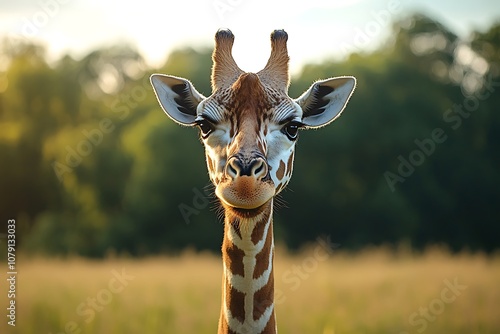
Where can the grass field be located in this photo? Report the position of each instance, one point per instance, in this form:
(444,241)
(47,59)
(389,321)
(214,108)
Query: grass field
(374,291)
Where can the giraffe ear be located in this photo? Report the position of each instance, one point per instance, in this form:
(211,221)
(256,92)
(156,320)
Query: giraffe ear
(324,101)
(177,97)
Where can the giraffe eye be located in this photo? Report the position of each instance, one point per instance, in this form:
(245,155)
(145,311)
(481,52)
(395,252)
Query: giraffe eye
(206,128)
(291,130)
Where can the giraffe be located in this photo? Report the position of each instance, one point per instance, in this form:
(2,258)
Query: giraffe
(249,127)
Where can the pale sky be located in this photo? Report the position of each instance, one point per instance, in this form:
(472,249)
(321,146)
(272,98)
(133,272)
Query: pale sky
(317,29)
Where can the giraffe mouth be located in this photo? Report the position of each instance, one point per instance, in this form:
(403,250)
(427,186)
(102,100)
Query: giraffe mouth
(246,213)
(245,196)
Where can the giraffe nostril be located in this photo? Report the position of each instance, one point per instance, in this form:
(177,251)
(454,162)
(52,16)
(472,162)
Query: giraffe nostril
(259,168)
(233,168)
(256,168)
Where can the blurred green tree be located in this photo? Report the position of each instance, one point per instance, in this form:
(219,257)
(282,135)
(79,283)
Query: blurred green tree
(90,164)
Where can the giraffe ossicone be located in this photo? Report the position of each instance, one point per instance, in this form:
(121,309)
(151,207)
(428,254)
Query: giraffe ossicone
(249,127)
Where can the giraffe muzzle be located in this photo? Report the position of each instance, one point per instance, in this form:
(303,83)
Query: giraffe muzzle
(247,184)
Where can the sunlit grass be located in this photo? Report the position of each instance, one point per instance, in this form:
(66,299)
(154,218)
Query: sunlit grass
(374,291)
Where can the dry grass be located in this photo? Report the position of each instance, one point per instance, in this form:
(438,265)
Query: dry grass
(374,291)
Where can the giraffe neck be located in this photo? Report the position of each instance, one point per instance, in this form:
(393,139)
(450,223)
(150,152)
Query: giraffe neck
(248,281)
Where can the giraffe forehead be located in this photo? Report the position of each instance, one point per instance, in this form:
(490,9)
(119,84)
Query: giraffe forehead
(248,98)
(241,109)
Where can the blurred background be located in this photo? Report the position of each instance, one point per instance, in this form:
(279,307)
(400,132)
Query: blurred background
(90,165)
(404,187)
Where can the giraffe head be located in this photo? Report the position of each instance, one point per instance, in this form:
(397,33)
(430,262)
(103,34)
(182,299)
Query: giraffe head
(249,125)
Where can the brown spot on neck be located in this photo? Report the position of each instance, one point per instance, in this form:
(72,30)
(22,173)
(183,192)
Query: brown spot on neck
(235,301)
(233,257)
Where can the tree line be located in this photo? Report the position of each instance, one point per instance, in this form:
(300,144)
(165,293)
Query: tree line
(90,164)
